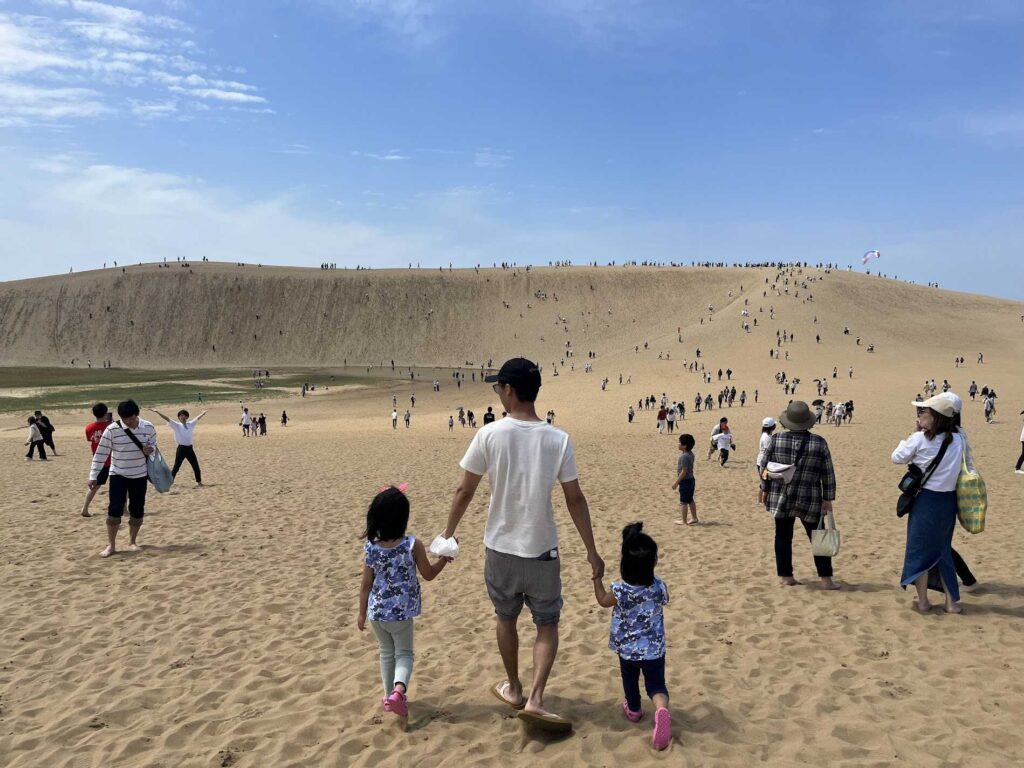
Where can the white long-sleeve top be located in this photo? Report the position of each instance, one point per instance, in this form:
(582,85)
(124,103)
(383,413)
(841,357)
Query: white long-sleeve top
(126,459)
(918,449)
(34,435)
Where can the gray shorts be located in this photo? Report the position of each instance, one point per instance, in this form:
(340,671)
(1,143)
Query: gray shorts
(512,581)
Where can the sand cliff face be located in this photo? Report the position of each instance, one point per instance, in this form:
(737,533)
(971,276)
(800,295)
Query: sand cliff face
(217,314)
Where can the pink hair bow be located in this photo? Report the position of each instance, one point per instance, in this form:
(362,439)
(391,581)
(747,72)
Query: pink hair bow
(401,486)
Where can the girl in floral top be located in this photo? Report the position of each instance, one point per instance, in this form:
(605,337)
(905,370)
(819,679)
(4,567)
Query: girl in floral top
(390,593)
(638,629)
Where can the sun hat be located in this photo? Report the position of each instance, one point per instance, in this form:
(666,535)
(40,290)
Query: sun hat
(518,370)
(798,416)
(939,403)
(768,421)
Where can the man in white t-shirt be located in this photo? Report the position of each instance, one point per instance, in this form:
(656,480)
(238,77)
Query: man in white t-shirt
(183,430)
(523,457)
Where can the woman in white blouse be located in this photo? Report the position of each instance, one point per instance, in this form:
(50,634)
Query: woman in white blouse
(931,522)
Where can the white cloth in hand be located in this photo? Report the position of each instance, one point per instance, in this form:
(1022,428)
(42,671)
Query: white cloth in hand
(442,547)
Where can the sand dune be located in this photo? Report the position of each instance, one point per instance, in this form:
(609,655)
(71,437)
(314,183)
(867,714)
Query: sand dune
(231,639)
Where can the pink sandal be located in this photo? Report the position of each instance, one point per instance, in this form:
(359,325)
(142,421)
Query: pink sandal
(662,735)
(633,717)
(397,704)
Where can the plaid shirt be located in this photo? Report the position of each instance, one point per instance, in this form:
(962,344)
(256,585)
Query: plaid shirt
(814,481)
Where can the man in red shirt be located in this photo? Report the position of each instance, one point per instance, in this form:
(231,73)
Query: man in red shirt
(93,432)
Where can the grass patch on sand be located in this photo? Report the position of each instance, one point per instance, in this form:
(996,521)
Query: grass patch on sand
(74,388)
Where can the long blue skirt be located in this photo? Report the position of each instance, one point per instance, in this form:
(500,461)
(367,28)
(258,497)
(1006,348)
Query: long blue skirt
(929,539)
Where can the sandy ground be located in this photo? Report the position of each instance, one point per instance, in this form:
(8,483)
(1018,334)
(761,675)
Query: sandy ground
(231,638)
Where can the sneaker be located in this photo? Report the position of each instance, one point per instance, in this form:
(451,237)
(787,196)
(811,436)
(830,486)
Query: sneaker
(969,587)
(633,717)
(397,704)
(1019,472)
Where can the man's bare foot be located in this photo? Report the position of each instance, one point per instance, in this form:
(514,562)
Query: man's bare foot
(789,581)
(954,608)
(695,521)
(135,547)
(679,522)
(921,607)
(108,551)
(86,513)
(969,587)
(828,584)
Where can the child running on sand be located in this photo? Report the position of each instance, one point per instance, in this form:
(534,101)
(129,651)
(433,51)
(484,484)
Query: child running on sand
(638,629)
(685,481)
(390,593)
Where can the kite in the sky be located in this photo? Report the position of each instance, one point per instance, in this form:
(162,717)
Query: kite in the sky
(869,255)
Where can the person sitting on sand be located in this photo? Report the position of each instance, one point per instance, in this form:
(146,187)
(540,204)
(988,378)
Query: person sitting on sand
(524,457)
(809,494)
(685,481)
(638,630)
(390,593)
(931,523)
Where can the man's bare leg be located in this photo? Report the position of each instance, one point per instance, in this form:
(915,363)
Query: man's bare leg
(111,538)
(133,534)
(88,500)
(508,647)
(544,651)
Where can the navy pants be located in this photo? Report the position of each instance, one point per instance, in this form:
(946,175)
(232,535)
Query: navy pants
(654,679)
(131,490)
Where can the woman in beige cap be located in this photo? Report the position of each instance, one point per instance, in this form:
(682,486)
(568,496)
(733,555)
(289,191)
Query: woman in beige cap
(936,447)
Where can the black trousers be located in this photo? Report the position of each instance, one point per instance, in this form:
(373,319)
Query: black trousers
(132,490)
(34,445)
(186,453)
(48,439)
(784,548)
(1020,461)
(654,679)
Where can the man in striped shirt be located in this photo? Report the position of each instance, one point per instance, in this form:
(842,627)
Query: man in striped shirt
(128,471)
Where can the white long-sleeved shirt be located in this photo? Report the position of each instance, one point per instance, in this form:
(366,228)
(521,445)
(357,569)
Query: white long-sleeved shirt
(918,449)
(762,447)
(34,435)
(126,459)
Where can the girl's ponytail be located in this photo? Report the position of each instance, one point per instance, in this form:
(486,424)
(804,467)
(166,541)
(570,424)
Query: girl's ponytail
(632,531)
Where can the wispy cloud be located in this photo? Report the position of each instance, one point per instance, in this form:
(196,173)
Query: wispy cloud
(994,125)
(489,158)
(110,212)
(81,59)
(415,21)
(390,156)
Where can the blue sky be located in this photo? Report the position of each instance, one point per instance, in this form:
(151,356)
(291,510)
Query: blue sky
(385,132)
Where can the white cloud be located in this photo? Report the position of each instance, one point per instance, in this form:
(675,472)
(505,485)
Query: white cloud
(393,155)
(22,105)
(219,95)
(85,59)
(68,211)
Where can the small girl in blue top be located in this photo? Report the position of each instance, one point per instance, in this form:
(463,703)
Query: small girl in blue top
(390,592)
(638,629)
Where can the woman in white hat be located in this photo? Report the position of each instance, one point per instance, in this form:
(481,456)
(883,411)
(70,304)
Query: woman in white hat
(931,522)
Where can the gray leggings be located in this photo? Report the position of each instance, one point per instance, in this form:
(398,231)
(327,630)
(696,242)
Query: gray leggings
(395,641)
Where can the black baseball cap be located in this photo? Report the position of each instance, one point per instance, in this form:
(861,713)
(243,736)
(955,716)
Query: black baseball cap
(518,370)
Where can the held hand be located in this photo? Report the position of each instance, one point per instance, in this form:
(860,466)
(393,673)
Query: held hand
(361,622)
(597,564)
